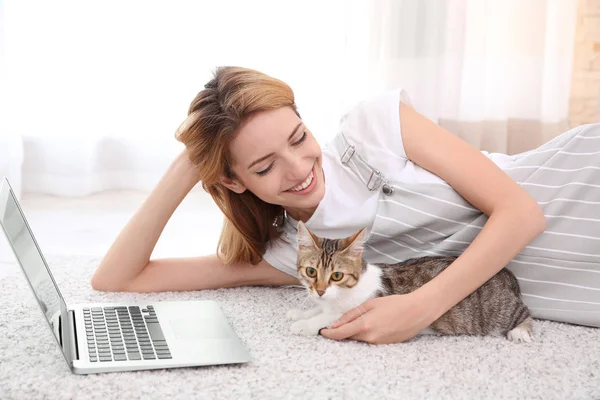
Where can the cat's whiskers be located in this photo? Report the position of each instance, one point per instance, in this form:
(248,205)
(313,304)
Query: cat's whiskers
(304,301)
(337,299)
(296,297)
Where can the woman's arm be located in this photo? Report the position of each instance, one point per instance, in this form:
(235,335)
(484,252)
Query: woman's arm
(505,233)
(514,217)
(199,273)
(514,220)
(131,251)
(127,266)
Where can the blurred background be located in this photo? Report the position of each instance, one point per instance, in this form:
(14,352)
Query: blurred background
(91,93)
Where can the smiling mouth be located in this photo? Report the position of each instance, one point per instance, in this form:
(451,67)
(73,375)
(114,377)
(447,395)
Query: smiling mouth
(305,183)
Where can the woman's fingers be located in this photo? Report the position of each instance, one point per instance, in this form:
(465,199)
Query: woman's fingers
(351,315)
(344,331)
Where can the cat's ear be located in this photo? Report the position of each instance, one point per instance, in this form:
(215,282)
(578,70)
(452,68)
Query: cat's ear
(306,239)
(354,244)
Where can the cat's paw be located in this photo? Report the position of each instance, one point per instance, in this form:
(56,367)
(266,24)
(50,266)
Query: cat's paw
(295,314)
(305,328)
(522,333)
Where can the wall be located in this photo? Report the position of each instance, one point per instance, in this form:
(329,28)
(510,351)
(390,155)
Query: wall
(584,105)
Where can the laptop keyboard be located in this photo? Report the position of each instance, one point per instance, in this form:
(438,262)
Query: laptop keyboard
(124,333)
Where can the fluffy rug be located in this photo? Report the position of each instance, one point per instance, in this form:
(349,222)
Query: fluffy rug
(563,362)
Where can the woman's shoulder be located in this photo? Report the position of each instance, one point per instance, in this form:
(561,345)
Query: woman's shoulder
(372,126)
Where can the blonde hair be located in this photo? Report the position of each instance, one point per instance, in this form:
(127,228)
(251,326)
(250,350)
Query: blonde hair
(215,116)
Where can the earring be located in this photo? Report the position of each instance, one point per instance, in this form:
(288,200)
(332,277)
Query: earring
(279,220)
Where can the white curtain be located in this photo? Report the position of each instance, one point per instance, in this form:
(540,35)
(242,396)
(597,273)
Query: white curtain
(11,143)
(495,73)
(93,91)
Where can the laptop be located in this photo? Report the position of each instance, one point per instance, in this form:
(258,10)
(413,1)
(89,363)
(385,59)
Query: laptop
(123,336)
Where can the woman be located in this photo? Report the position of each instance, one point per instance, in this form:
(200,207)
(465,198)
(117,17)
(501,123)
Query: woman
(419,189)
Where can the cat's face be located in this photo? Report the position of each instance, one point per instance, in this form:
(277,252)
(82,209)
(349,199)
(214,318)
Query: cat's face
(327,267)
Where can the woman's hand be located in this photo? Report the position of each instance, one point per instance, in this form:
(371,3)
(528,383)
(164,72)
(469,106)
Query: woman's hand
(186,167)
(390,319)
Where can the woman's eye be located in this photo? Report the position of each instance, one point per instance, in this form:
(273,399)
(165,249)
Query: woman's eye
(301,139)
(297,143)
(311,272)
(337,276)
(265,171)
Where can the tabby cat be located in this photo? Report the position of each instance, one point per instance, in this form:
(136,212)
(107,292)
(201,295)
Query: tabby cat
(338,279)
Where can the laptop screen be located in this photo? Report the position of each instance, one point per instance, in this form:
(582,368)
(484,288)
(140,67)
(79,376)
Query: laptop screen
(32,262)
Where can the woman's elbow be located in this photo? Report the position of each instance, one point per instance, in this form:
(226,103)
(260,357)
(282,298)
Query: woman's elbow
(534,215)
(102,287)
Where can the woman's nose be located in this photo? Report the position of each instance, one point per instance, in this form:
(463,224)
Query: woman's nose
(297,169)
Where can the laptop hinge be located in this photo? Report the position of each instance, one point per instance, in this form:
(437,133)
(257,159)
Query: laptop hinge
(73,349)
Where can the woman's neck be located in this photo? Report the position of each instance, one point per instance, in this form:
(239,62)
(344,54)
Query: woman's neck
(300,214)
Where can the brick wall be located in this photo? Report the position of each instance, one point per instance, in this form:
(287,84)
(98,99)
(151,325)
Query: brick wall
(584,106)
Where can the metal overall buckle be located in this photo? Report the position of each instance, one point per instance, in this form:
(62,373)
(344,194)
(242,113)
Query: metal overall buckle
(374,180)
(348,154)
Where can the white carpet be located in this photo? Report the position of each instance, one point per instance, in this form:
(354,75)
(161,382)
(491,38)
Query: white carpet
(563,362)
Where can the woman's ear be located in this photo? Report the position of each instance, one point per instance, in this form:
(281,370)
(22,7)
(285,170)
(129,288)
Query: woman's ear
(233,185)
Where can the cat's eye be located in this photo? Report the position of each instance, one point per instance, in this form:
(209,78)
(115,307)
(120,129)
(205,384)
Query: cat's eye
(337,276)
(311,272)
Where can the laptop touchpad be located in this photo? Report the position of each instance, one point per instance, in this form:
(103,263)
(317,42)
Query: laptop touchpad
(200,328)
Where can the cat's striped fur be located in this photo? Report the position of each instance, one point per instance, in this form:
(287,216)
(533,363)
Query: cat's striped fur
(495,308)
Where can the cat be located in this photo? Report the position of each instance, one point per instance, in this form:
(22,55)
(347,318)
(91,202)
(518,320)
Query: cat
(338,279)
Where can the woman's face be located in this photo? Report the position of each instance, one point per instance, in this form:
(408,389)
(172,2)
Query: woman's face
(276,157)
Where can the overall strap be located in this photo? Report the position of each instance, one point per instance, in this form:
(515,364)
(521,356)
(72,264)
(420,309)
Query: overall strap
(350,158)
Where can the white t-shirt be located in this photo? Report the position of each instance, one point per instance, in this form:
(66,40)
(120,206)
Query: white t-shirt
(373,127)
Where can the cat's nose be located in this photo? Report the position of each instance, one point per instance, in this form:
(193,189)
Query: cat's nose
(320,292)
